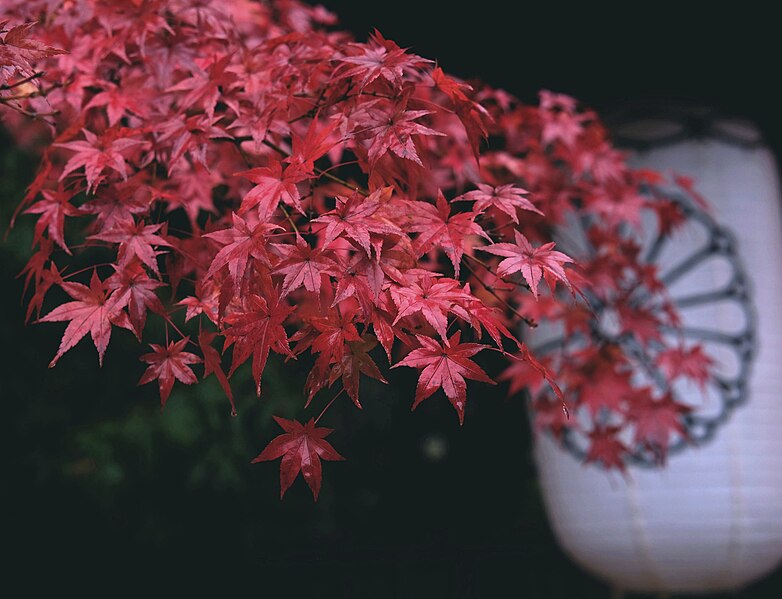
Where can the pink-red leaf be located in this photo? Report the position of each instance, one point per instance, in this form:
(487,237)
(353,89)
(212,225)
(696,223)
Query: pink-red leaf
(93,311)
(167,364)
(445,366)
(533,263)
(301,447)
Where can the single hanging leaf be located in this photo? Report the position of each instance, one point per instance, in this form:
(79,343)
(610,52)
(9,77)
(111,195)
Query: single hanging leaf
(213,364)
(167,363)
(301,448)
(445,367)
(93,312)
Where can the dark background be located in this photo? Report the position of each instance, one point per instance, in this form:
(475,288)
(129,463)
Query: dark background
(99,486)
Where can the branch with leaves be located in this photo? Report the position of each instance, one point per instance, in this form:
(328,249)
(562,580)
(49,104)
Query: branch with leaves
(261,182)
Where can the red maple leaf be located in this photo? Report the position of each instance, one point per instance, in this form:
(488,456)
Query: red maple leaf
(93,312)
(507,198)
(532,262)
(18,51)
(189,136)
(301,448)
(167,363)
(53,208)
(491,319)
(136,241)
(604,388)
(433,298)
(472,115)
(255,331)
(117,101)
(356,218)
(97,153)
(644,323)
(363,279)
(134,288)
(241,243)
(116,204)
(606,448)
(273,183)
(315,143)
(334,331)
(206,85)
(379,58)
(656,421)
(445,367)
(44,282)
(213,364)
(303,265)
(357,361)
(439,228)
(692,363)
(394,131)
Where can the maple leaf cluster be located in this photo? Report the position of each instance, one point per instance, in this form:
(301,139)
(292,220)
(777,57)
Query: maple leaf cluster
(265,185)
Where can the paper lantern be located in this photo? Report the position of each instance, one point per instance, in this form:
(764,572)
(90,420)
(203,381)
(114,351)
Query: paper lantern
(711,520)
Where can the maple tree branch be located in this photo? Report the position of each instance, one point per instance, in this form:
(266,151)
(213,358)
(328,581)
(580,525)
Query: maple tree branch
(28,113)
(7,86)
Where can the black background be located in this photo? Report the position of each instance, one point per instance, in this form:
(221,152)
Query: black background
(605,55)
(100,487)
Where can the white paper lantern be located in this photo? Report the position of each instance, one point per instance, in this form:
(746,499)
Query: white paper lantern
(711,520)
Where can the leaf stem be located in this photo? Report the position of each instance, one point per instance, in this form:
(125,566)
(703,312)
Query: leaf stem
(328,405)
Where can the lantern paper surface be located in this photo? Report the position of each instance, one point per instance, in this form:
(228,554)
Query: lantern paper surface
(711,520)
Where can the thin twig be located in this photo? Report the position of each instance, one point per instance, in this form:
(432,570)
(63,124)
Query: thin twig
(528,321)
(320,172)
